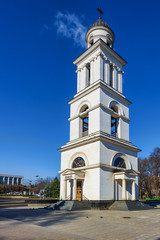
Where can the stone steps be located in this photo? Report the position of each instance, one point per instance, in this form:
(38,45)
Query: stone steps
(129,205)
(69,205)
(103,205)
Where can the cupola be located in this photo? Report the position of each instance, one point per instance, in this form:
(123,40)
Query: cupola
(100,30)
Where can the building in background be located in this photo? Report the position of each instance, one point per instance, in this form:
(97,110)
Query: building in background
(11,179)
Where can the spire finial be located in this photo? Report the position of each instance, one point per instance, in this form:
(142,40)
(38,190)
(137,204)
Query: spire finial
(100,12)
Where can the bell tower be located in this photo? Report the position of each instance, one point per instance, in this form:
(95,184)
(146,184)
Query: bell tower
(99,162)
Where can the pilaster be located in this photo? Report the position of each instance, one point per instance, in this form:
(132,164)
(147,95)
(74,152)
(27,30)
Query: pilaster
(92,70)
(133,190)
(78,80)
(107,71)
(74,189)
(99,67)
(120,84)
(115,76)
(64,192)
(123,189)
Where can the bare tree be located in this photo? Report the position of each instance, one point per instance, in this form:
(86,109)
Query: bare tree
(149,179)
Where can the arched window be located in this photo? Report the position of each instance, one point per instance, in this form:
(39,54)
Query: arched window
(119,162)
(111,76)
(85,126)
(114,120)
(84,117)
(114,108)
(78,162)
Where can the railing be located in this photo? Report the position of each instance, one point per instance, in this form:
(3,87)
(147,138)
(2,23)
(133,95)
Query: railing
(114,134)
(85,133)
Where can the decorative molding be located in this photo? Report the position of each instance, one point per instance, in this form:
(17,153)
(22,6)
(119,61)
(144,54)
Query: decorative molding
(98,165)
(99,84)
(99,136)
(100,43)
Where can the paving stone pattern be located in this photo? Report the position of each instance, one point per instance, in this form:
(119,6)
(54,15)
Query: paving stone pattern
(26,224)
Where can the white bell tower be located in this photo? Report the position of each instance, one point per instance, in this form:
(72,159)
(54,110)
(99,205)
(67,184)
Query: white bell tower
(99,162)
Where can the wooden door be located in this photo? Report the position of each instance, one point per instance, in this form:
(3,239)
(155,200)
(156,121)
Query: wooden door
(79,190)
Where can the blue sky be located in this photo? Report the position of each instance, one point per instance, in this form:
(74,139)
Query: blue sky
(37,76)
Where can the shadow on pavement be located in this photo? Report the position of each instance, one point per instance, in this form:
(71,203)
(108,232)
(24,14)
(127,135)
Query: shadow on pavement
(41,217)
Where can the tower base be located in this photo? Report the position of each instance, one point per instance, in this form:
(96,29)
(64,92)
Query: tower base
(125,205)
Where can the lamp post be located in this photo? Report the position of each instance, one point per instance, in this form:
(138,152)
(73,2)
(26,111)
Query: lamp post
(37,176)
(30,181)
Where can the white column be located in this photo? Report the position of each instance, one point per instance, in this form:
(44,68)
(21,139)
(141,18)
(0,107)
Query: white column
(115,76)
(85,76)
(78,80)
(64,193)
(70,189)
(116,190)
(12,180)
(133,190)
(123,189)
(107,71)
(127,190)
(75,189)
(83,82)
(120,87)
(8,180)
(99,68)
(92,71)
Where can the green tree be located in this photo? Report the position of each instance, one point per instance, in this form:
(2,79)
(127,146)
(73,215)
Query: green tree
(55,188)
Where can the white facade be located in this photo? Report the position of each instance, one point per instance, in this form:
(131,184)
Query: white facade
(99,162)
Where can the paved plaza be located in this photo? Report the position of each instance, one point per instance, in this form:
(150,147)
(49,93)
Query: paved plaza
(37,223)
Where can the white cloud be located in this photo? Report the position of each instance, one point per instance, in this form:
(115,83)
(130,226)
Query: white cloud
(68,25)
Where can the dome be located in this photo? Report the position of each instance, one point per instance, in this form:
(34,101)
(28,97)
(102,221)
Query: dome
(100,30)
(99,22)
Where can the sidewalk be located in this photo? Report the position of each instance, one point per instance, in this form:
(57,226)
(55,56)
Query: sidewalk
(25,223)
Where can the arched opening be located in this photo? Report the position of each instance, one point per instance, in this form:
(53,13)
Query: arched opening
(111,76)
(84,120)
(84,108)
(114,108)
(78,162)
(119,162)
(91,42)
(114,120)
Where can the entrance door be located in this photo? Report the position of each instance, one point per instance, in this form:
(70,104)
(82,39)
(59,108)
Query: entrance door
(79,190)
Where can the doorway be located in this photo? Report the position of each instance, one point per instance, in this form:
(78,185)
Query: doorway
(79,190)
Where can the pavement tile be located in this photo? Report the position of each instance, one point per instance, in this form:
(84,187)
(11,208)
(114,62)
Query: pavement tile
(26,223)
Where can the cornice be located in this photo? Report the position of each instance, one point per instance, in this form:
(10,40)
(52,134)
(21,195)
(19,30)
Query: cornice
(99,136)
(99,84)
(100,43)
